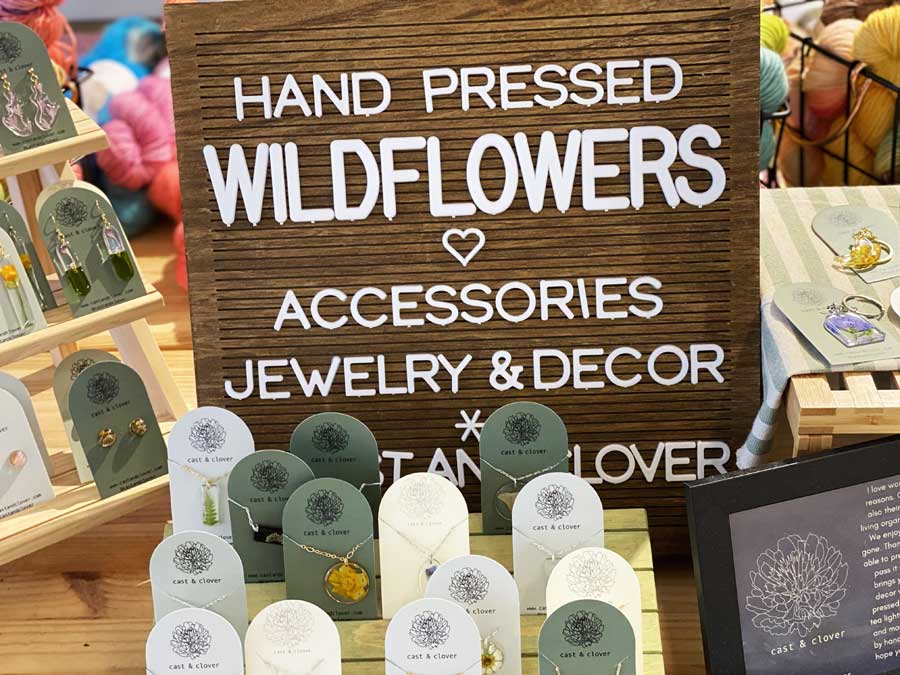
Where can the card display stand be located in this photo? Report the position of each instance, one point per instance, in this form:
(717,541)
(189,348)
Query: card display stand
(78,507)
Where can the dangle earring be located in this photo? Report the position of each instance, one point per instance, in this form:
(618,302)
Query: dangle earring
(13,285)
(46,109)
(69,264)
(115,248)
(25,257)
(13,114)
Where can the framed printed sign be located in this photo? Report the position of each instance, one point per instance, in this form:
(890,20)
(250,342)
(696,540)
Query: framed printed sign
(415,213)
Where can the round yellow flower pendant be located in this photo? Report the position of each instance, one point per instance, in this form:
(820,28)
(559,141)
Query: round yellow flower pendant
(347,582)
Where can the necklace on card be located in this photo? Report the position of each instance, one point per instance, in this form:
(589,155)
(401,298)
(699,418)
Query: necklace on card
(210,489)
(617,668)
(554,557)
(465,670)
(431,559)
(345,581)
(506,494)
(208,605)
(280,670)
(261,533)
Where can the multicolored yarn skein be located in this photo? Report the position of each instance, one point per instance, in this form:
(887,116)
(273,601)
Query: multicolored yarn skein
(773,90)
(43,17)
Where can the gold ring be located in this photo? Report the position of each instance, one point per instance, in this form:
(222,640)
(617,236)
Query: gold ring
(138,427)
(107,438)
(865,252)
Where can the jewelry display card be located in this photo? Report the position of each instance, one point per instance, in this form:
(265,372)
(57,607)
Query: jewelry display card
(836,226)
(13,223)
(486,590)
(258,489)
(88,246)
(24,480)
(34,109)
(204,446)
(432,636)
(20,392)
(201,570)
(336,571)
(292,637)
(555,514)
(189,640)
(340,446)
(63,377)
(518,442)
(117,427)
(587,637)
(423,521)
(807,307)
(20,311)
(599,574)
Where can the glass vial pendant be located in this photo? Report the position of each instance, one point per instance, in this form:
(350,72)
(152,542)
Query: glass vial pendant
(25,257)
(13,285)
(116,249)
(851,330)
(70,266)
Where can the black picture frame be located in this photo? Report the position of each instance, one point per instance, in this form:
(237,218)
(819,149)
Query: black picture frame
(711,502)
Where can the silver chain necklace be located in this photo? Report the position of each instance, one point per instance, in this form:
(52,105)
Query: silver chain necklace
(555,555)
(431,561)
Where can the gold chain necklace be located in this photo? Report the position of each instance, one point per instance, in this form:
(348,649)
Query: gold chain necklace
(345,582)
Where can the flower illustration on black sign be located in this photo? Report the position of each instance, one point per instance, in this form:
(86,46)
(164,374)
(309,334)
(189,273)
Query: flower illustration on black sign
(288,625)
(796,585)
(583,629)
(269,476)
(102,388)
(207,435)
(554,502)
(324,507)
(70,211)
(190,640)
(429,629)
(591,574)
(193,557)
(79,366)
(330,438)
(522,428)
(468,585)
(10,47)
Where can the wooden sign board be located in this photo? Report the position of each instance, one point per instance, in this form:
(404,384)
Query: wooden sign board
(414,213)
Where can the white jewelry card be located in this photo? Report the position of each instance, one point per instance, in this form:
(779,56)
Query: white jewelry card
(191,640)
(20,392)
(432,636)
(587,637)
(423,521)
(204,446)
(486,590)
(554,514)
(201,570)
(599,574)
(292,637)
(24,481)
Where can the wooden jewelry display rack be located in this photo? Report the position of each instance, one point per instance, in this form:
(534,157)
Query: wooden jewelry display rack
(78,507)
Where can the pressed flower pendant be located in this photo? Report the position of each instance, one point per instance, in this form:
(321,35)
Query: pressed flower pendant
(491,656)
(347,582)
(852,330)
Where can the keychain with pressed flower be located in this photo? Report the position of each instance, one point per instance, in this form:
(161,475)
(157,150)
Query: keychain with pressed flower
(853,326)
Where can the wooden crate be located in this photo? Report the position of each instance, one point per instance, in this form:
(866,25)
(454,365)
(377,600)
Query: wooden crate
(826,411)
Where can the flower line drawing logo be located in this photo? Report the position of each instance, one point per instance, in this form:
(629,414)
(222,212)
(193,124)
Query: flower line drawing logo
(330,438)
(591,574)
(190,640)
(10,47)
(522,428)
(207,435)
(421,499)
(192,557)
(79,366)
(554,502)
(429,630)
(796,585)
(324,507)
(269,476)
(102,388)
(288,625)
(469,585)
(70,212)
(583,629)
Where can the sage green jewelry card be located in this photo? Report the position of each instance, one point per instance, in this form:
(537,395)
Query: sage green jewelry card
(340,446)
(587,637)
(117,427)
(518,442)
(259,486)
(336,571)
(16,227)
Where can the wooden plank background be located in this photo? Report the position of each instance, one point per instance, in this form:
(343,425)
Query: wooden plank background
(707,259)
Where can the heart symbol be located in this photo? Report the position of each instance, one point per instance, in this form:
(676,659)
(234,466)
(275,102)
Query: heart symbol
(463,234)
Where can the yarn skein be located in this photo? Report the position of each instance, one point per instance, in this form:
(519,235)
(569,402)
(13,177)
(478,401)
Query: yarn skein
(825,79)
(877,43)
(773,32)
(882,164)
(43,17)
(773,81)
(766,144)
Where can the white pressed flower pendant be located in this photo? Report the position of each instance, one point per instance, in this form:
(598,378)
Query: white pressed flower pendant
(491,656)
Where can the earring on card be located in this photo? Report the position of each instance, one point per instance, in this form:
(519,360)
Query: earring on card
(17,459)
(115,248)
(69,264)
(107,438)
(46,109)
(138,427)
(13,285)
(13,112)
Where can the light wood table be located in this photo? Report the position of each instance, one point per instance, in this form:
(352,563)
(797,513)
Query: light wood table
(83,605)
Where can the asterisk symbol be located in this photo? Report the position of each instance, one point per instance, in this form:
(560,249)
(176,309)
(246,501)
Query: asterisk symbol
(470,425)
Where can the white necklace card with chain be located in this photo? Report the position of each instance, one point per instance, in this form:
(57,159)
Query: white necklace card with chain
(20,392)
(329,549)
(423,522)
(194,640)
(486,590)
(432,636)
(587,637)
(24,481)
(199,569)
(554,514)
(292,637)
(204,446)
(599,574)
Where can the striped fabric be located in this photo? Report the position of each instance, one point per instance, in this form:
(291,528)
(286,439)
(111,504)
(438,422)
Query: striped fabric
(791,252)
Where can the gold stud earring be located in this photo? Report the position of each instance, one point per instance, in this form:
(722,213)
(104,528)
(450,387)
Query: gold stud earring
(107,438)
(138,427)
